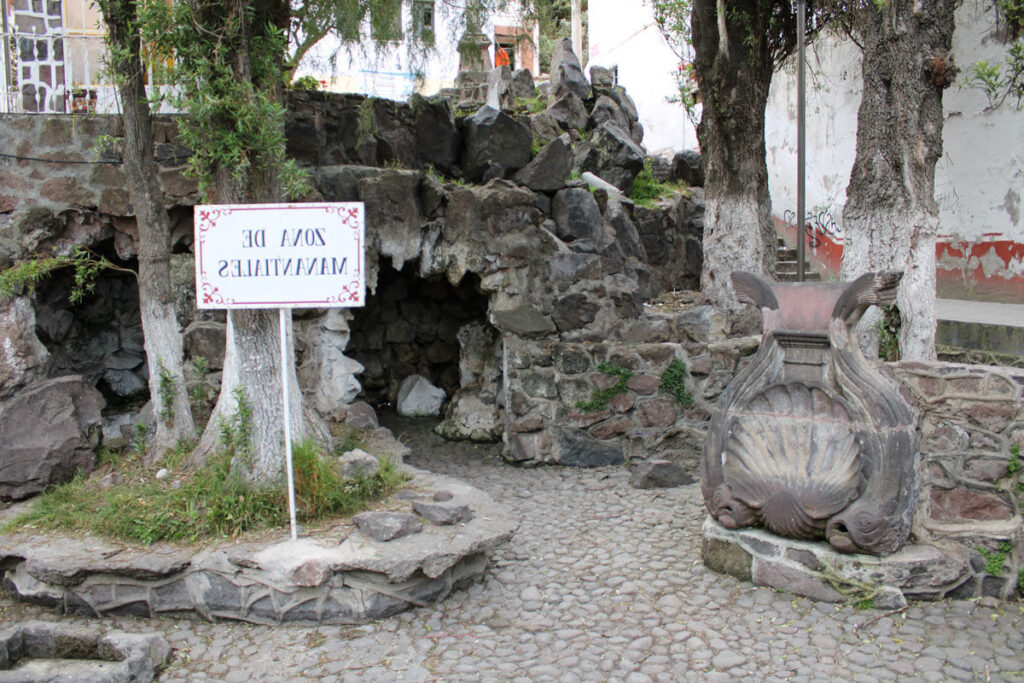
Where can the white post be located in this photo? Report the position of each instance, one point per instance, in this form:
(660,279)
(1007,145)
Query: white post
(576,30)
(286,403)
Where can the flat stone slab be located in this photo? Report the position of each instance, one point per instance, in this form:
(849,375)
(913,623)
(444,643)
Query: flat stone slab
(819,572)
(40,652)
(327,578)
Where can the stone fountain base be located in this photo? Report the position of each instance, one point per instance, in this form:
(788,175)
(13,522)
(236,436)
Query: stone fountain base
(340,575)
(817,571)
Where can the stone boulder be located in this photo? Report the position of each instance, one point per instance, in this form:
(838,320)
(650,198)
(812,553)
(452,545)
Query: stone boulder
(470,418)
(544,127)
(549,169)
(602,78)
(569,112)
(611,154)
(566,72)
(47,433)
(437,133)
(494,145)
(659,473)
(688,166)
(205,339)
(499,89)
(577,215)
(417,397)
(357,463)
(523,86)
(607,109)
(24,357)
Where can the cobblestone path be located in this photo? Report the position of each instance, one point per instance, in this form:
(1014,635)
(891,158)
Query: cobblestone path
(602,582)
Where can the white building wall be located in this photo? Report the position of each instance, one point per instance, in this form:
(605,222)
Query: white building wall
(392,71)
(979,181)
(623,33)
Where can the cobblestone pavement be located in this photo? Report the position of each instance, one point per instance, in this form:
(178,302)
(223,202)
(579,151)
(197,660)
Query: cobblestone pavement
(602,582)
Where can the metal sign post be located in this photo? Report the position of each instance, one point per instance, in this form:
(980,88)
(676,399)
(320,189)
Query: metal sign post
(281,256)
(801,152)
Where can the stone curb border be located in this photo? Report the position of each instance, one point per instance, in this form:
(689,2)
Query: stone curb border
(816,571)
(310,580)
(117,657)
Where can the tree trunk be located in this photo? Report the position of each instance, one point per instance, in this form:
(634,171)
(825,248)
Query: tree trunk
(163,343)
(733,79)
(891,217)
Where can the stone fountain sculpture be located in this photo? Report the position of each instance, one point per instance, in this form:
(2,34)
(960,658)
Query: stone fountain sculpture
(810,440)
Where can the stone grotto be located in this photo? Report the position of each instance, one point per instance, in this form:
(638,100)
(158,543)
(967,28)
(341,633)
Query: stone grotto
(514,290)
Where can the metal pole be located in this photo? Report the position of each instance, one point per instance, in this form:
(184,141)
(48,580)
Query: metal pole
(801,150)
(287,425)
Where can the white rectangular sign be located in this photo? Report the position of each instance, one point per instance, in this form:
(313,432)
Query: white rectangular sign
(279,255)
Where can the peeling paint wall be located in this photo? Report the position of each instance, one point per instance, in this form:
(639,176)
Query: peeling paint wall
(979,181)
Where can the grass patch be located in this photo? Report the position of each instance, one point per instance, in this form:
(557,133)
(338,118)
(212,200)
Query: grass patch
(646,190)
(211,503)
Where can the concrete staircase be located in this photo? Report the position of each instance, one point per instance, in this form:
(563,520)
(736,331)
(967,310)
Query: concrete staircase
(786,265)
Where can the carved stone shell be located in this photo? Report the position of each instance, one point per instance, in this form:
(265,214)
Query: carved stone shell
(792,456)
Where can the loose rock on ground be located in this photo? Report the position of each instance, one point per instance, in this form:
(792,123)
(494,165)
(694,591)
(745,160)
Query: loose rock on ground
(602,582)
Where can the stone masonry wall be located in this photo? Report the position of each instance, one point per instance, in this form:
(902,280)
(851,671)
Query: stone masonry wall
(972,493)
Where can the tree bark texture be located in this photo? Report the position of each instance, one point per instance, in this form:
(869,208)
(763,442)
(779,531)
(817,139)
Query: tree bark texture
(163,341)
(891,217)
(733,70)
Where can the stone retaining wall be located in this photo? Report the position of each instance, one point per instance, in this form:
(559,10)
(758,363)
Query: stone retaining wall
(972,433)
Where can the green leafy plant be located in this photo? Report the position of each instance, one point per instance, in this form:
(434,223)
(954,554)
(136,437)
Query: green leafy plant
(1003,81)
(996,559)
(306,83)
(236,432)
(141,441)
(600,398)
(888,328)
(1020,581)
(673,381)
(23,277)
(1013,466)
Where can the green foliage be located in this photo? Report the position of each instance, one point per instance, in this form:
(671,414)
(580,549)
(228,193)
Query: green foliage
(236,431)
(306,83)
(141,441)
(554,22)
(1003,81)
(210,503)
(673,20)
(227,69)
(600,398)
(888,329)
(1014,465)
(23,277)
(995,559)
(200,395)
(1020,581)
(673,381)
(535,146)
(530,105)
(646,190)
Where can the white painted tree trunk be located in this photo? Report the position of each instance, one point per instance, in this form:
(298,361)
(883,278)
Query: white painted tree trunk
(165,360)
(732,241)
(891,217)
(252,367)
(904,241)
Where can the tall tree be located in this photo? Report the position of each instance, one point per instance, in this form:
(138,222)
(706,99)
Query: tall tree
(891,216)
(160,327)
(229,68)
(738,44)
